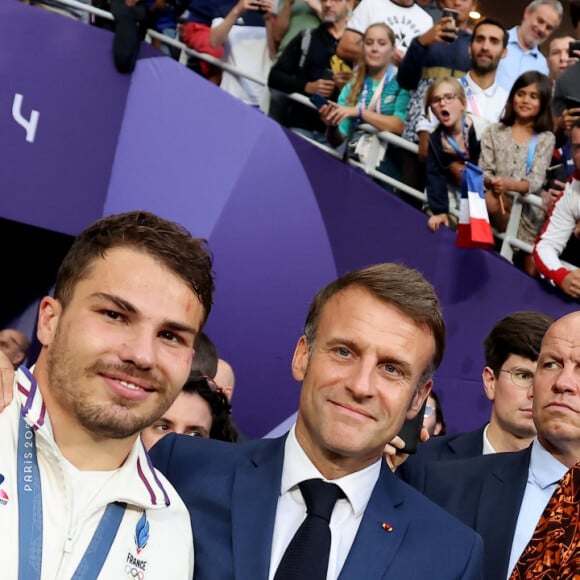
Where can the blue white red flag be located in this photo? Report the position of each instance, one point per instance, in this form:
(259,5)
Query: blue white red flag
(474,229)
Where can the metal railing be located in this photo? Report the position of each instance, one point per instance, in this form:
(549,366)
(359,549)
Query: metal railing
(510,241)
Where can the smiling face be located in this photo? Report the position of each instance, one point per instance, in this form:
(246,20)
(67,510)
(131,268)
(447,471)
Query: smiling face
(447,106)
(557,390)
(360,380)
(117,356)
(538,25)
(527,103)
(377,48)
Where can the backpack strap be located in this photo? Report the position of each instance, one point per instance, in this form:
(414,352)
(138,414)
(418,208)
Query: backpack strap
(304,46)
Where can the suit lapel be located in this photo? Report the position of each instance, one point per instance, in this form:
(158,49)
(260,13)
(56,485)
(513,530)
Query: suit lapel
(255,494)
(501,497)
(374,548)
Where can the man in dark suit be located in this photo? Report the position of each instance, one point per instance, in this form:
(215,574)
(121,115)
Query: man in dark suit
(511,354)
(502,496)
(371,343)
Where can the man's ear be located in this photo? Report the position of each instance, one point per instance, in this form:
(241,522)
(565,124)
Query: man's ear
(300,359)
(49,313)
(418,399)
(504,53)
(488,377)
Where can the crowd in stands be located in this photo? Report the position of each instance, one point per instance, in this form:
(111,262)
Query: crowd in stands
(462,90)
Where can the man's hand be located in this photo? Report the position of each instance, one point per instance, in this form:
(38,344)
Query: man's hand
(550,195)
(444,30)
(571,284)
(6,381)
(321,86)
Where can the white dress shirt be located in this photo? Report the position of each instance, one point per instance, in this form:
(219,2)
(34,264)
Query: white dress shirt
(544,474)
(291,510)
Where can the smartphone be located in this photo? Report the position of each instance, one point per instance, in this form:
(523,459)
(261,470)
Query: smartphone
(572,47)
(327,75)
(318,100)
(450,12)
(411,430)
(572,103)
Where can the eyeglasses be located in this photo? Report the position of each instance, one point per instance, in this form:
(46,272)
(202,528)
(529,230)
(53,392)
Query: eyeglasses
(429,410)
(521,378)
(443,99)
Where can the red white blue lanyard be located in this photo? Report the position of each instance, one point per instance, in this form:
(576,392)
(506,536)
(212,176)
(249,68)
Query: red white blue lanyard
(30,517)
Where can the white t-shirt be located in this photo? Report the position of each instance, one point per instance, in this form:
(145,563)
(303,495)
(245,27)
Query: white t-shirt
(247,49)
(406,22)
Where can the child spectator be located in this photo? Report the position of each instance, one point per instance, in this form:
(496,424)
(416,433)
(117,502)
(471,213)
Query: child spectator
(451,144)
(515,154)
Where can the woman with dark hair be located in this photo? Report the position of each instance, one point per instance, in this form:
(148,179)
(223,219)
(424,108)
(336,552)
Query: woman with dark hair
(200,410)
(515,154)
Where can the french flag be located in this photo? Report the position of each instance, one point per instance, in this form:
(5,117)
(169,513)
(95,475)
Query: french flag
(473,229)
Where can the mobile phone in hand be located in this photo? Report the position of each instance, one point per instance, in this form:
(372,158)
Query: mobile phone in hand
(573,46)
(410,432)
(451,13)
(318,100)
(572,103)
(327,75)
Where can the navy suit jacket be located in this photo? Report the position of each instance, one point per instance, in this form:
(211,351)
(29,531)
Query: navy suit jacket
(456,446)
(232,490)
(485,493)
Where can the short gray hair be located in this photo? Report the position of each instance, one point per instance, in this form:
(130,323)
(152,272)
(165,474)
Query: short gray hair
(556,4)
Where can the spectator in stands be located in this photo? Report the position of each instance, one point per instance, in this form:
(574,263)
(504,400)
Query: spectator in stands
(309,65)
(558,56)
(200,410)
(225,378)
(441,51)
(568,84)
(432,7)
(244,29)
(373,96)
(485,98)
(511,352)
(163,15)
(455,141)
(433,419)
(14,344)
(195,34)
(541,18)
(205,359)
(515,154)
(561,224)
(129,31)
(404,17)
(293,17)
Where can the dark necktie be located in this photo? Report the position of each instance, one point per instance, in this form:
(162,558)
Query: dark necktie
(553,553)
(306,557)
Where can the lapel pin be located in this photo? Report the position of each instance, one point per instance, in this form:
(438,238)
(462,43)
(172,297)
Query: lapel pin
(387,527)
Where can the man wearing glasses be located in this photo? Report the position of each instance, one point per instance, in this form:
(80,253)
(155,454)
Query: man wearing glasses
(511,353)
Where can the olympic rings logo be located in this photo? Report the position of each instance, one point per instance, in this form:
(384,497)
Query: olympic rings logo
(134,573)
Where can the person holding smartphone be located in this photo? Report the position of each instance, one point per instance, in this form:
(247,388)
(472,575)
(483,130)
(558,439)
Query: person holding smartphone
(244,29)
